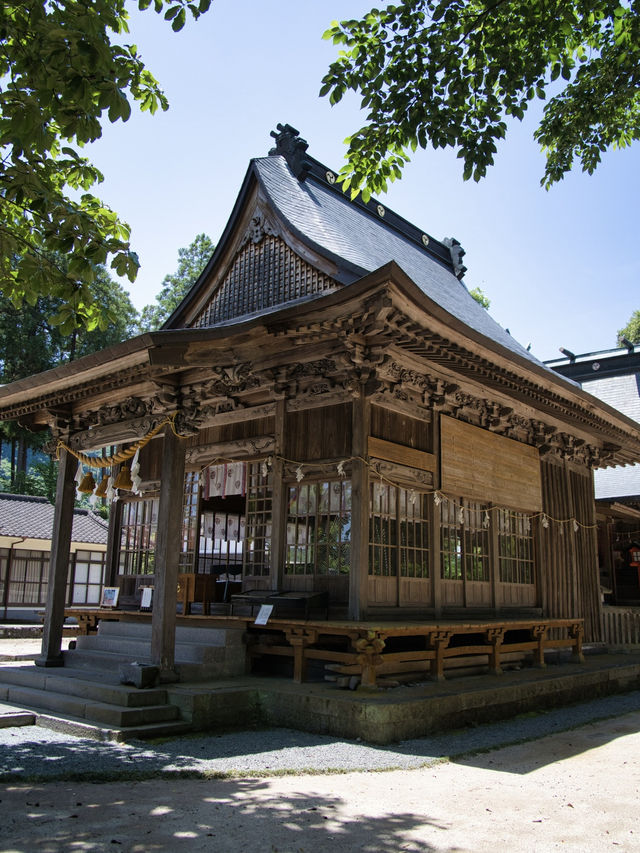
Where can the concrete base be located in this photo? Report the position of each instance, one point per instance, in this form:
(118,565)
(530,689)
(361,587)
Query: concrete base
(391,715)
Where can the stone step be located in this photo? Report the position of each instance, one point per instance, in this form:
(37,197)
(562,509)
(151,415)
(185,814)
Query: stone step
(99,660)
(85,684)
(12,717)
(85,709)
(82,728)
(140,649)
(184,633)
(232,662)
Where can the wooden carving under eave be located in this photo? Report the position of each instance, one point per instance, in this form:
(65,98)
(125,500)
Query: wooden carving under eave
(242,448)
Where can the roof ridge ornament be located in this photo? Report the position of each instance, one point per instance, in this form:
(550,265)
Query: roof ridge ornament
(293,148)
(457,253)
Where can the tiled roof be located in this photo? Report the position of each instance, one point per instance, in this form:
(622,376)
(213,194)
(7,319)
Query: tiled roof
(325,218)
(622,392)
(620,482)
(32,517)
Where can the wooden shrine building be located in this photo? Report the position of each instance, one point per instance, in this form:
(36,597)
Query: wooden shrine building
(329,411)
(614,376)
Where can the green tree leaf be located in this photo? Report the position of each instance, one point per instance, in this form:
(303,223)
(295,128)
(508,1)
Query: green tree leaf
(449,73)
(62,78)
(191,262)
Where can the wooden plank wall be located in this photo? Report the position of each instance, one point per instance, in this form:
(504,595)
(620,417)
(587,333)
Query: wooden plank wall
(587,552)
(568,560)
(318,433)
(481,465)
(401,429)
(151,459)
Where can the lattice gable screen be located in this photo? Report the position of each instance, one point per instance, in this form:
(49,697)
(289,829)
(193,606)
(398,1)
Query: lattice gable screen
(263,275)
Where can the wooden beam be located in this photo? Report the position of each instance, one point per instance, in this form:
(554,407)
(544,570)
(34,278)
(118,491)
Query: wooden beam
(402,455)
(117,433)
(240,448)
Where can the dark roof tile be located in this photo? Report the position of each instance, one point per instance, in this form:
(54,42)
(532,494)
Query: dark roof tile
(326,218)
(32,517)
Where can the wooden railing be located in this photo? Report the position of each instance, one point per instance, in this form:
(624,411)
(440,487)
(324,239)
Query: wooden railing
(370,651)
(620,627)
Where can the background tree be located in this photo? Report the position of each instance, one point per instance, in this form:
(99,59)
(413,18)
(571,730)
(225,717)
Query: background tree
(64,69)
(631,331)
(31,343)
(481,298)
(191,262)
(450,73)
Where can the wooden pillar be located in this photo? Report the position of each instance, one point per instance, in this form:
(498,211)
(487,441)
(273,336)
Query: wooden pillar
(494,560)
(51,653)
(279,501)
(359,569)
(434,517)
(163,619)
(113,545)
(572,550)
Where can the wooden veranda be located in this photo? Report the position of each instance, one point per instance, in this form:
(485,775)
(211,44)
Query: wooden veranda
(361,653)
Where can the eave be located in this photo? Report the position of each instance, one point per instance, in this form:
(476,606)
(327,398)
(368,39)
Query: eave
(428,332)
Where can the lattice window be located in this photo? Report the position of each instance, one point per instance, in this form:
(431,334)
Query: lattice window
(515,546)
(88,577)
(262,276)
(29,577)
(189,522)
(221,545)
(257,549)
(398,532)
(450,543)
(319,528)
(464,541)
(138,537)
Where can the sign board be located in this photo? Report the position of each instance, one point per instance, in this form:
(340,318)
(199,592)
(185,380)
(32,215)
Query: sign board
(109,596)
(147,597)
(263,614)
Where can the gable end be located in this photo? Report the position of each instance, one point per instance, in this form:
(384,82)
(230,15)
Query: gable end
(265,274)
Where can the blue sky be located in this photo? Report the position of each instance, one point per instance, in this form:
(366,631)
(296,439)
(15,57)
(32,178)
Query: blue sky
(561,267)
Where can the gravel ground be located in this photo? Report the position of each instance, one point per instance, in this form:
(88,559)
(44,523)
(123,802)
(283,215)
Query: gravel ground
(38,754)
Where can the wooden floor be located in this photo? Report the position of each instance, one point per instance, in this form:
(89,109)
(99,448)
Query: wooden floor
(372,653)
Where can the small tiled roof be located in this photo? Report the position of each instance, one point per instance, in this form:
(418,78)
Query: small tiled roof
(32,517)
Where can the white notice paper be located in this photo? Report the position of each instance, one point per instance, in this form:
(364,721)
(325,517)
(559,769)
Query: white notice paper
(263,614)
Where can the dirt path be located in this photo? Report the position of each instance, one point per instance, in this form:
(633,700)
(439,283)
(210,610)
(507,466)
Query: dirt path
(577,791)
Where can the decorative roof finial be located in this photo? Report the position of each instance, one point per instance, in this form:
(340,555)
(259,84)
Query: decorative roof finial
(292,147)
(457,253)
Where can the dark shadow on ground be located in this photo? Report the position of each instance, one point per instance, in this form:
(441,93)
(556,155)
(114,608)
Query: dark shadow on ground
(216,815)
